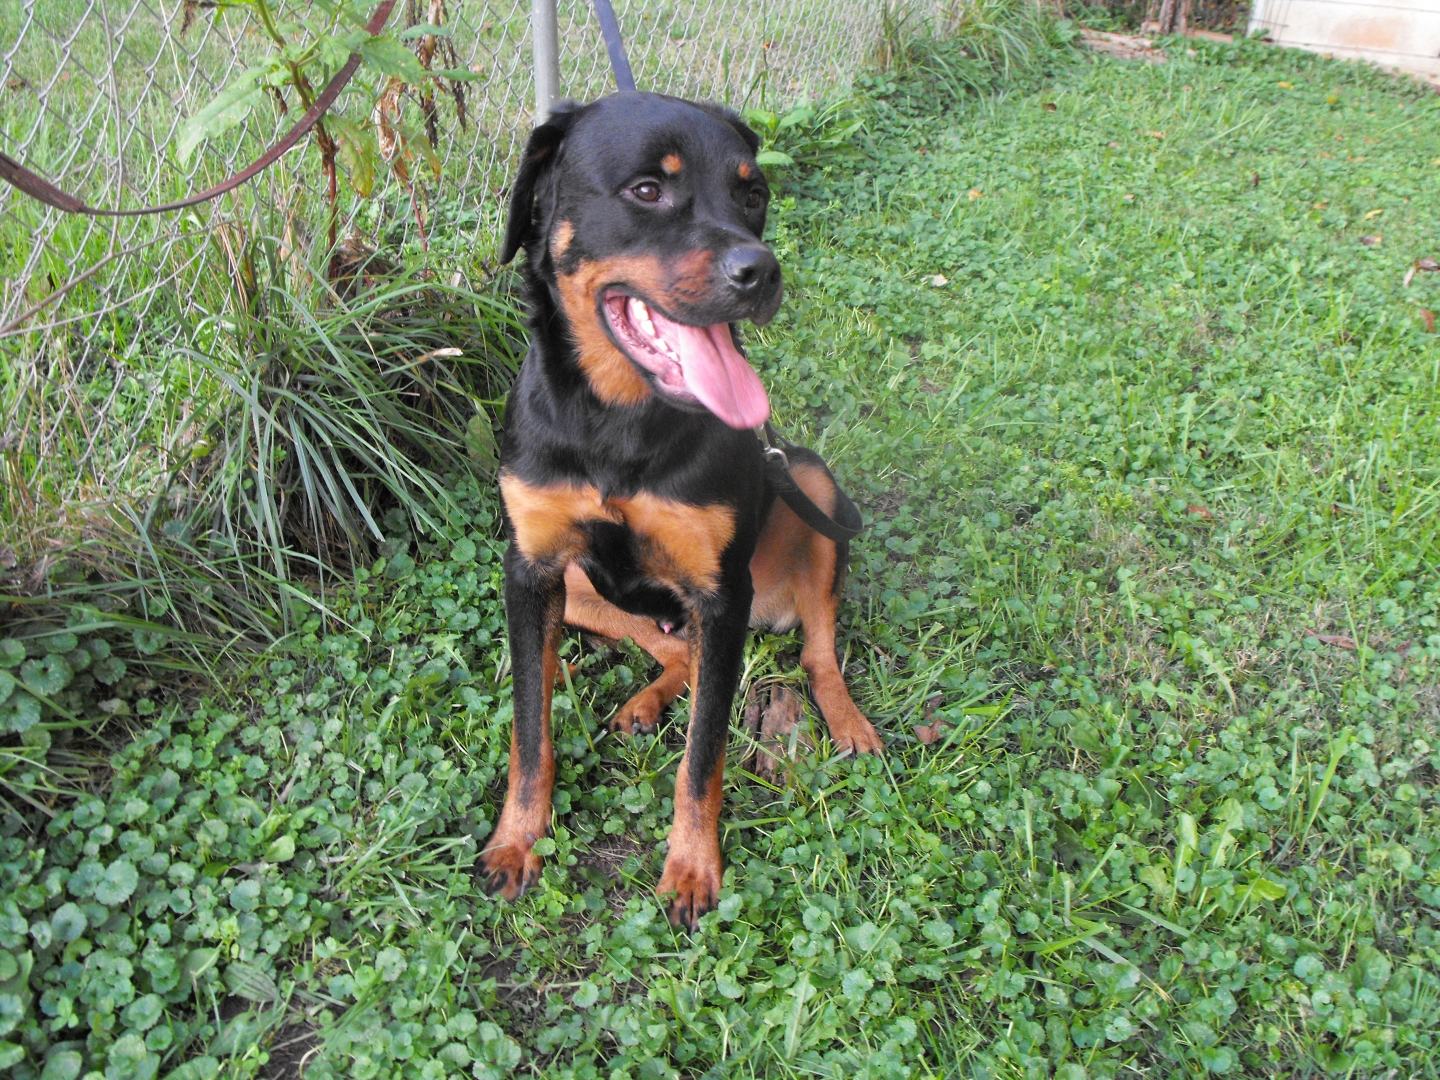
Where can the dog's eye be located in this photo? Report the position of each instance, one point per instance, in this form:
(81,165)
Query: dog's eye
(754,201)
(649,191)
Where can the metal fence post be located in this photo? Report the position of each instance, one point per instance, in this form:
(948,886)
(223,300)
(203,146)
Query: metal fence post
(545,51)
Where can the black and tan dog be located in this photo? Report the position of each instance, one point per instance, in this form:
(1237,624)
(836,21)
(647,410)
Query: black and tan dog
(635,489)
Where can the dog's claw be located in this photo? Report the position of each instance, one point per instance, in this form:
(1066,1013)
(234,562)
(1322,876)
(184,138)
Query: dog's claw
(858,740)
(696,888)
(638,716)
(510,871)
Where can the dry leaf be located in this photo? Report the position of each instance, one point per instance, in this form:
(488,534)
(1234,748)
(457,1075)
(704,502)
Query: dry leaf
(976,193)
(1374,214)
(1339,641)
(1427,264)
(938,280)
(1409,276)
(777,721)
(1429,317)
(1372,240)
(387,112)
(1155,134)
(1113,145)
(1049,106)
(930,733)
(1128,197)
(1199,511)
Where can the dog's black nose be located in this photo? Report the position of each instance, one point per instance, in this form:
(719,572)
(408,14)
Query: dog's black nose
(751,269)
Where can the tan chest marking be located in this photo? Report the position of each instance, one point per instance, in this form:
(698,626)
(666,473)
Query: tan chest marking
(680,544)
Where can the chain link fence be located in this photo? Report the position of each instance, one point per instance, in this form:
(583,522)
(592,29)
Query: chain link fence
(94,92)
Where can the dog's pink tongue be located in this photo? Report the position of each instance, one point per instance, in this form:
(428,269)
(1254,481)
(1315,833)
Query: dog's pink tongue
(718,375)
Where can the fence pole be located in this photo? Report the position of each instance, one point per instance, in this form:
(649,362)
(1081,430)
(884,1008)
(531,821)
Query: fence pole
(545,52)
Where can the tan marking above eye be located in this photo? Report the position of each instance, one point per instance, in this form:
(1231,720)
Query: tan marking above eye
(746,170)
(560,239)
(672,164)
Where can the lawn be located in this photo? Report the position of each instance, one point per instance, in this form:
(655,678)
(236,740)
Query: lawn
(1129,377)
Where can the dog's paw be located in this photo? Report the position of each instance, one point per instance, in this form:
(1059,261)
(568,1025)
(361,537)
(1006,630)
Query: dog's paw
(857,736)
(640,715)
(692,882)
(510,870)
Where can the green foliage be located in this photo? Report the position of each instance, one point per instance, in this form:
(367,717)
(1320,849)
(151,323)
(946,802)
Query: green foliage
(965,49)
(312,41)
(1150,486)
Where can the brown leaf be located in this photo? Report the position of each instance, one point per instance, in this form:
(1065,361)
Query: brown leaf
(1373,240)
(1049,106)
(930,733)
(1429,317)
(1339,641)
(1427,264)
(1199,511)
(1409,276)
(385,116)
(778,720)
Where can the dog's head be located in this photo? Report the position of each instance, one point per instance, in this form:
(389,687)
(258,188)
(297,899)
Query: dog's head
(644,214)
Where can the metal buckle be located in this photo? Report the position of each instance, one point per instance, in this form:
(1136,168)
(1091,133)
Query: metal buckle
(774,453)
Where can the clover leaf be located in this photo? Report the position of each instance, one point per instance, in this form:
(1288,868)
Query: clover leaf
(49,676)
(62,1065)
(390,962)
(144,1012)
(20,713)
(11,652)
(119,882)
(245,896)
(109,670)
(68,922)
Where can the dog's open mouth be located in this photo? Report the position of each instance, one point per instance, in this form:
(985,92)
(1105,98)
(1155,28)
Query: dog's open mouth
(692,363)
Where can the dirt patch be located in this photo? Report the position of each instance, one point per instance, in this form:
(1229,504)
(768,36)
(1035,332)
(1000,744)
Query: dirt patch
(607,857)
(290,1051)
(1122,46)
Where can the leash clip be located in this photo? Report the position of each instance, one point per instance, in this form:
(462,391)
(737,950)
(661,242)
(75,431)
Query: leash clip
(774,453)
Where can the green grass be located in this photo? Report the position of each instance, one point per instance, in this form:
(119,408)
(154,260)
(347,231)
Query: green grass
(1151,481)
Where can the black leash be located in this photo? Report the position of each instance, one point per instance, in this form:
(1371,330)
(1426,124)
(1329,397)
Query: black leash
(782,482)
(610,31)
(777,464)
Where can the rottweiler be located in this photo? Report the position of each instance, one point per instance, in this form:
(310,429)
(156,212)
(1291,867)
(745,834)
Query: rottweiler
(635,486)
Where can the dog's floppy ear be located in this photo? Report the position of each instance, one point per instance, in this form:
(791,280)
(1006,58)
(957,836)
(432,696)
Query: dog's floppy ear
(734,119)
(539,156)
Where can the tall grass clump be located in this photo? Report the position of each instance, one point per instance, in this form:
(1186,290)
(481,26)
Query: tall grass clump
(968,48)
(200,489)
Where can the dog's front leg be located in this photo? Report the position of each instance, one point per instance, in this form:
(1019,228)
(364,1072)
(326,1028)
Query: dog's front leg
(717,645)
(534,605)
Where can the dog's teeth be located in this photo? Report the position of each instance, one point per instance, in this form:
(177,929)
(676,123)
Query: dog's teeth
(642,316)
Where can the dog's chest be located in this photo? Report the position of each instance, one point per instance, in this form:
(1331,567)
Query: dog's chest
(674,543)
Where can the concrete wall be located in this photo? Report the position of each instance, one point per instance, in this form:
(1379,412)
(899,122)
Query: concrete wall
(1394,33)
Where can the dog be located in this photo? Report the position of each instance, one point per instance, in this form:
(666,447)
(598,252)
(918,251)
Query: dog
(635,489)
